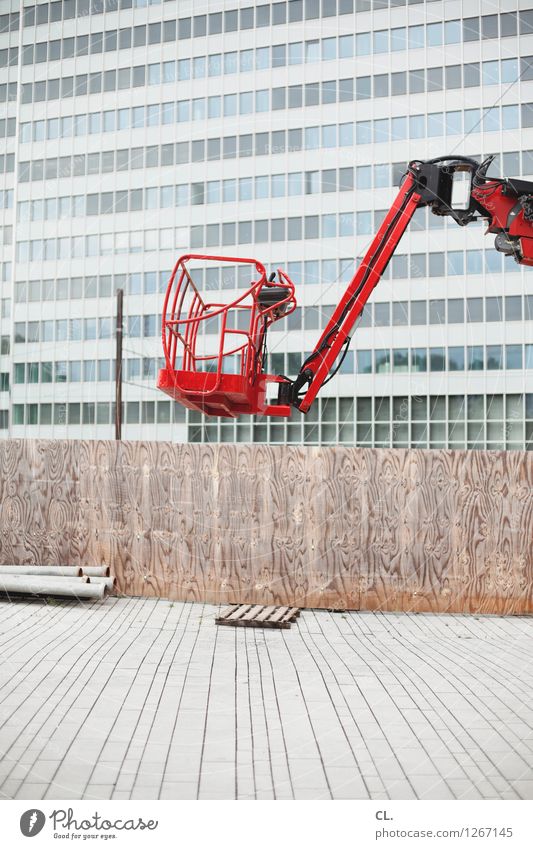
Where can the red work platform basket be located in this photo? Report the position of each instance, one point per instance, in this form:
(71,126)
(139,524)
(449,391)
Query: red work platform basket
(215,353)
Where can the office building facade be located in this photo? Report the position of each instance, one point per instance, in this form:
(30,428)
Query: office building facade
(135,131)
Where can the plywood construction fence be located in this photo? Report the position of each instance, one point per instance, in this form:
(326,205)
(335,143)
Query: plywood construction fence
(276,525)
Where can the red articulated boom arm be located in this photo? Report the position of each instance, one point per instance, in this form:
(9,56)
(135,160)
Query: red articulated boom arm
(316,369)
(506,204)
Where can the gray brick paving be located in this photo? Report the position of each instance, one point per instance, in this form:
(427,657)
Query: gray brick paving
(139,698)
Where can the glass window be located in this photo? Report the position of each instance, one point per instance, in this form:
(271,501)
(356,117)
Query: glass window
(475,358)
(398,39)
(364,362)
(199,25)
(436,264)
(510,117)
(509,70)
(418,312)
(417,126)
(399,86)
(493,309)
(418,360)
(455,310)
(513,308)
(472,120)
(455,263)
(513,356)
(508,24)
(456,359)
(363,132)
(381,130)
(215,23)
(474,307)
(416,37)
(295,53)
(362,44)
(400,359)
(60,372)
(454,123)
(346,46)
(184,69)
(494,357)
(471,29)
(382,361)
(312,51)
(279,55)
(184,28)
(453,76)
(231,64)
(199,107)
(345,135)
(471,76)
(400,316)
(363,177)
(73,413)
(262,58)
(437,359)
(199,67)
(381,85)
(434,34)
(474,262)
(89,370)
(381,314)
(437,311)
(491,73)
(312,138)
(381,41)
(311,223)
(435,124)
(32,331)
(104,370)
(452,32)
(363,89)
(329,135)
(246,60)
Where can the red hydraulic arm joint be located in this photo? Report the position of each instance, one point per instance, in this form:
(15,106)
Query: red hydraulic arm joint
(509,209)
(316,368)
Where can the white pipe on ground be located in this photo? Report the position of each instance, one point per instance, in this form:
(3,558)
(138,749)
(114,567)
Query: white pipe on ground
(109,583)
(50,585)
(58,571)
(96,571)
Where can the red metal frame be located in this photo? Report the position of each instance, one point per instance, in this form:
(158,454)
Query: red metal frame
(201,380)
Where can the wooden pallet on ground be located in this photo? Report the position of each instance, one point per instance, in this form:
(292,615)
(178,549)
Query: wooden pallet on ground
(258,616)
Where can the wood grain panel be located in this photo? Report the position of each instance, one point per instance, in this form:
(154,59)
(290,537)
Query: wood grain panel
(340,528)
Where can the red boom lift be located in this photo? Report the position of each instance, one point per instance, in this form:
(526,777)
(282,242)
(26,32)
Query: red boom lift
(227,377)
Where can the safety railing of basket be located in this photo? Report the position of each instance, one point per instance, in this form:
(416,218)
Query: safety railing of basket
(181,327)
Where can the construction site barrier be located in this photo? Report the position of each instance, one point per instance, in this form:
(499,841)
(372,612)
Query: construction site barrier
(339,527)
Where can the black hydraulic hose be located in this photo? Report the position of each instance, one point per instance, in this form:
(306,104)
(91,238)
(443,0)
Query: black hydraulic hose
(340,362)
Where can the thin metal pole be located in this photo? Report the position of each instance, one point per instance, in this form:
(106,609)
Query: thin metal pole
(118,365)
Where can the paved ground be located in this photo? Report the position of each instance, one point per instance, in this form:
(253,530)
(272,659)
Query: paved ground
(135,698)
